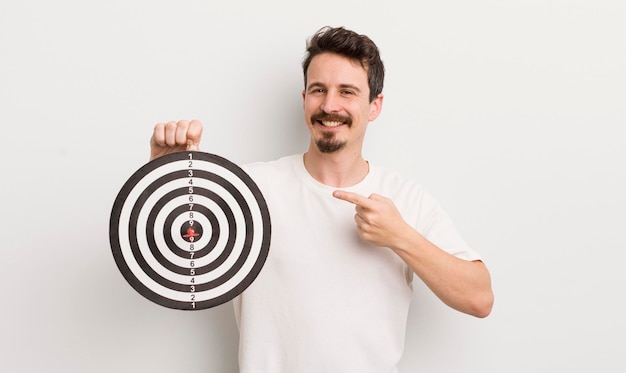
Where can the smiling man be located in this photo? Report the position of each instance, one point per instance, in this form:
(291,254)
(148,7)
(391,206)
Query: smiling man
(336,100)
(338,108)
(348,237)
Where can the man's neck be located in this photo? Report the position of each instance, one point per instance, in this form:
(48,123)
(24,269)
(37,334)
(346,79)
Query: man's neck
(340,169)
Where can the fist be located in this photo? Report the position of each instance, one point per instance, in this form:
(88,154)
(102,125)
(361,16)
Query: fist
(173,136)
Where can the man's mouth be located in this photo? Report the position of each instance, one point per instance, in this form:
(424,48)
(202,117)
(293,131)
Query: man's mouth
(331,121)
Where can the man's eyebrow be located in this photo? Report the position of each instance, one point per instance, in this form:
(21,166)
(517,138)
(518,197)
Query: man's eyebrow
(317,85)
(342,86)
(350,86)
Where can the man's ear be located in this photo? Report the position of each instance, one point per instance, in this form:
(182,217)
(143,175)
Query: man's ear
(376,106)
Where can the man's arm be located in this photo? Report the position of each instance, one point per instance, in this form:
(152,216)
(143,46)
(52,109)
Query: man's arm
(461,284)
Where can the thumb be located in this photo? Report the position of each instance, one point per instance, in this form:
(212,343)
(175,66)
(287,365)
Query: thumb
(194,135)
(192,146)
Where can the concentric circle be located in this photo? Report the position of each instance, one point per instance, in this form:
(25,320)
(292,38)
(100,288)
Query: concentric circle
(190,230)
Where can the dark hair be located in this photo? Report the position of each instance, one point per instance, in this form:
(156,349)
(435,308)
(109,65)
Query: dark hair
(351,45)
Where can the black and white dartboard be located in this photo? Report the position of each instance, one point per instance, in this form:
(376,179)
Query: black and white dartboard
(190,230)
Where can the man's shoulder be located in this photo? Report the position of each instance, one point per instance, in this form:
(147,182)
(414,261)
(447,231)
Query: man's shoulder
(276,165)
(273,171)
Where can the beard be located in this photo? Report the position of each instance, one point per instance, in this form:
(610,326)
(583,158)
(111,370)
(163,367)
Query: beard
(328,144)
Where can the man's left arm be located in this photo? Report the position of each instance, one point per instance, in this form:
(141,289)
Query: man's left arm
(461,284)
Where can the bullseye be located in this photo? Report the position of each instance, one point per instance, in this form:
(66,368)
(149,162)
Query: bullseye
(190,230)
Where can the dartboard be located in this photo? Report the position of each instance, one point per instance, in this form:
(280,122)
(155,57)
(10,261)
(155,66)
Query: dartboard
(190,230)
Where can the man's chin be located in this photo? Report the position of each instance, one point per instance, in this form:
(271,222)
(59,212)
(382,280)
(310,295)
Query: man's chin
(329,147)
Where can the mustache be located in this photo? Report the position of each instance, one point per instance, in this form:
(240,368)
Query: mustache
(324,117)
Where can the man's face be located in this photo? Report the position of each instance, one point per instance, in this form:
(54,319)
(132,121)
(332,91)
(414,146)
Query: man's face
(336,103)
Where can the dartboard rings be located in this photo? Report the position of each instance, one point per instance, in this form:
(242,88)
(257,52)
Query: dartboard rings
(190,230)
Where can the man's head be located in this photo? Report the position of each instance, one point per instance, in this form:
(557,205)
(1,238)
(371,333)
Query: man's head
(351,45)
(342,89)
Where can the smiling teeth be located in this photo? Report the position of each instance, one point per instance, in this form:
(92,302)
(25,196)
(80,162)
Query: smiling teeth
(331,124)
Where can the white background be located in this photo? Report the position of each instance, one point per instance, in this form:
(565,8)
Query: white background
(510,112)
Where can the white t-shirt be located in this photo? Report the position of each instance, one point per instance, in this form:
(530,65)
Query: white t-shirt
(325,300)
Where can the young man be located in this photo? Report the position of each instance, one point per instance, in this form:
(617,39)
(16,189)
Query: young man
(347,236)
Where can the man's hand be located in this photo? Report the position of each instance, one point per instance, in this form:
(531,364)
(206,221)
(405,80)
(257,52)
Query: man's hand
(173,136)
(377,219)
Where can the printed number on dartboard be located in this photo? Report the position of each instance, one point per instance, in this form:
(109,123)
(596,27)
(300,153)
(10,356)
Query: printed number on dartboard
(192,271)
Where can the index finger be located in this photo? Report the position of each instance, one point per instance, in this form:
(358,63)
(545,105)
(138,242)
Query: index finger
(351,197)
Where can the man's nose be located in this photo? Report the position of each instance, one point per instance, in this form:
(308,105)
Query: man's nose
(331,104)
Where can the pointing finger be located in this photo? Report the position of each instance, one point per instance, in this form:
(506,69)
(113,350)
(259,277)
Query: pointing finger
(351,197)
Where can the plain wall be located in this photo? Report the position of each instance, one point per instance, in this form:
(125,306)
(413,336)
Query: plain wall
(511,113)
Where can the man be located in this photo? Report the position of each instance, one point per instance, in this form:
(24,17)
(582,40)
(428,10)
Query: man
(347,236)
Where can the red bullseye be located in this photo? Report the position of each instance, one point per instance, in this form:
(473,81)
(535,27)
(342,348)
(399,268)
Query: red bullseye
(191,231)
